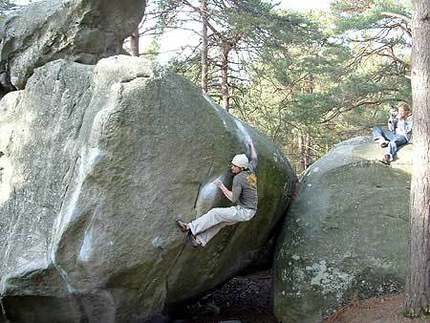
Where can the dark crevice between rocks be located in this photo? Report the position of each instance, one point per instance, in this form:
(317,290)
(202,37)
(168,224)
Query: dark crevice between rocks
(6,85)
(197,196)
(246,297)
(1,170)
(3,317)
(32,309)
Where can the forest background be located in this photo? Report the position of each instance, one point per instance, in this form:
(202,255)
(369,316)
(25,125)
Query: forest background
(307,79)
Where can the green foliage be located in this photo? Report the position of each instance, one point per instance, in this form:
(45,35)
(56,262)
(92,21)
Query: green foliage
(153,49)
(326,90)
(189,68)
(308,80)
(365,15)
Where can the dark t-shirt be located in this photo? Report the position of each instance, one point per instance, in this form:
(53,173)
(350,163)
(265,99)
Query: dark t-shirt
(245,188)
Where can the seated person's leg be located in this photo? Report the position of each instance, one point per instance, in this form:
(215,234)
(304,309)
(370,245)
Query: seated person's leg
(377,133)
(380,135)
(394,144)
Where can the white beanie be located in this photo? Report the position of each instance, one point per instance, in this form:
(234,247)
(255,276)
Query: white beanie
(240,161)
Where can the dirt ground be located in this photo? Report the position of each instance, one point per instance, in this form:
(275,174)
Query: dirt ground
(248,299)
(386,309)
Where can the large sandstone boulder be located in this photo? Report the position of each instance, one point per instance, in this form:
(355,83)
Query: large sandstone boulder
(97,163)
(346,235)
(76,30)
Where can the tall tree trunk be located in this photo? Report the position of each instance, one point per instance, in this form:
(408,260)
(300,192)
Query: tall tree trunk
(418,284)
(304,150)
(134,42)
(224,75)
(204,60)
(307,149)
(301,151)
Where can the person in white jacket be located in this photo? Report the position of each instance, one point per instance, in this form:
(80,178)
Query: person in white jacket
(243,194)
(396,135)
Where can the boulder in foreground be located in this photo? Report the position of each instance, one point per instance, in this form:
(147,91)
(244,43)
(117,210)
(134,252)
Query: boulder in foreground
(346,235)
(97,164)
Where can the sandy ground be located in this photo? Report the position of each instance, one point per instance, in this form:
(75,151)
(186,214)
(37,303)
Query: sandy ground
(386,309)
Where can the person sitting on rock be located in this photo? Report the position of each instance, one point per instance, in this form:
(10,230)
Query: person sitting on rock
(243,194)
(396,136)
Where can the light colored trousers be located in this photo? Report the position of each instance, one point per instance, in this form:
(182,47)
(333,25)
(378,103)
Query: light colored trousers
(209,224)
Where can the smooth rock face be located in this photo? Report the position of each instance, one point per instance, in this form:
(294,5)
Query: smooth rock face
(97,163)
(78,30)
(346,234)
